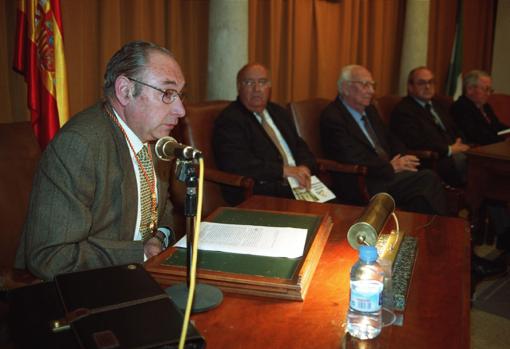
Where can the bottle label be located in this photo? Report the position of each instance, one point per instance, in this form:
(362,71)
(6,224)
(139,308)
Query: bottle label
(366,295)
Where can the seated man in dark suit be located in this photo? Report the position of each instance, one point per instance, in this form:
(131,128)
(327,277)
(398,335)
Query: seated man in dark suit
(472,114)
(254,137)
(480,126)
(422,124)
(352,132)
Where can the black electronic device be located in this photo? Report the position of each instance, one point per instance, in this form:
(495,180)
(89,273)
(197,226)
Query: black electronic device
(115,307)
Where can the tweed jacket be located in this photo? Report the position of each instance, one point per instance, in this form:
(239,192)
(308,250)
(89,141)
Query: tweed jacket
(83,205)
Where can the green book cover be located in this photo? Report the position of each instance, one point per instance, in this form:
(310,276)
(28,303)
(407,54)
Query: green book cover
(276,267)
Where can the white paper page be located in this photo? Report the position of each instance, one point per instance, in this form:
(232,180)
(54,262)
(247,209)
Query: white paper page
(318,192)
(250,239)
(504,132)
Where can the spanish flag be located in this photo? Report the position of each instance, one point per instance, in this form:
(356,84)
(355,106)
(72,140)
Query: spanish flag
(39,56)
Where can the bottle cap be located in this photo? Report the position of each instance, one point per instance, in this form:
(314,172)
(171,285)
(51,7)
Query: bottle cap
(368,253)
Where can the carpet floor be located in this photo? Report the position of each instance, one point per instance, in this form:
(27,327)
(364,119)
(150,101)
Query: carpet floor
(490,312)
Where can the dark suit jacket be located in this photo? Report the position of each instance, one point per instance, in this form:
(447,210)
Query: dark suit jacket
(473,125)
(83,205)
(344,141)
(416,128)
(242,146)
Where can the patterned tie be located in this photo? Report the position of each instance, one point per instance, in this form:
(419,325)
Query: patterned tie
(270,132)
(145,193)
(373,137)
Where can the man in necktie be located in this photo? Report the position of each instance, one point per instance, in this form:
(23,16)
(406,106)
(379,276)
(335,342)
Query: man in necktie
(422,123)
(100,198)
(352,131)
(257,138)
(472,112)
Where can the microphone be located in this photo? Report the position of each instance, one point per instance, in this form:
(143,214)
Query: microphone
(168,148)
(366,230)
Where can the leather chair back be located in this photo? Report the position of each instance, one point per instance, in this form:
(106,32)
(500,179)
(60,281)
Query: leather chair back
(500,103)
(19,155)
(196,130)
(306,115)
(198,125)
(385,106)
(444,101)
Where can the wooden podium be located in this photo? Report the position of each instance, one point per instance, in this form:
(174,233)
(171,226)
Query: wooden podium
(286,278)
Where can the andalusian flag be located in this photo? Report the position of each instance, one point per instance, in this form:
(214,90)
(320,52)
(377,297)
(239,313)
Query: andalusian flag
(39,56)
(454,80)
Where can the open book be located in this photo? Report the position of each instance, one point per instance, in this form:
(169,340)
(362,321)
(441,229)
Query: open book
(318,192)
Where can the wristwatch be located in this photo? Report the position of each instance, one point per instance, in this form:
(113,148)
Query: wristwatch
(162,238)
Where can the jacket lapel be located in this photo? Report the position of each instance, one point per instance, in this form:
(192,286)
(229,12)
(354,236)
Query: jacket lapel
(352,125)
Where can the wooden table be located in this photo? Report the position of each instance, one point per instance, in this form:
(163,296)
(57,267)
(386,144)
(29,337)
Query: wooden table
(437,311)
(488,177)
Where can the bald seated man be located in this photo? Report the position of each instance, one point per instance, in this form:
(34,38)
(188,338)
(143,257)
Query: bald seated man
(257,138)
(352,132)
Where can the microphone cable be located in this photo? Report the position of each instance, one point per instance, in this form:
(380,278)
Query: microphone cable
(193,267)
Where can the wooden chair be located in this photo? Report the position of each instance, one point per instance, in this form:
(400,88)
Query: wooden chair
(19,155)
(500,103)
(306,115)
(385,106)
(196,130)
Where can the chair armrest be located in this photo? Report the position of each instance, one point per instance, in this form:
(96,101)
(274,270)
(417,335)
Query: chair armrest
(334,166)
(222,177)
(360,171)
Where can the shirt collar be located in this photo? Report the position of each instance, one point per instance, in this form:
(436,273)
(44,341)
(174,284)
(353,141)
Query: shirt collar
(132,137)
(420,102)
(356,114)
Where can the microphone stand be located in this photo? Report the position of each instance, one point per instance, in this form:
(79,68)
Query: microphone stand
(206,297)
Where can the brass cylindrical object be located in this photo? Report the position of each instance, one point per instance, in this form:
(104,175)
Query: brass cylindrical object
(366,230)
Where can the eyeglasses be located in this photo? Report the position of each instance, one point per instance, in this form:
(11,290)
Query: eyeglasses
(425,82)
(169,95)
(486,89)
(364,83)
(260,82)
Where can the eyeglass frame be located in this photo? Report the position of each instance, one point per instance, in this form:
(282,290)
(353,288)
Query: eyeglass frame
(487,89)
(250,83)
(422,82)
(173,93)
(364,83)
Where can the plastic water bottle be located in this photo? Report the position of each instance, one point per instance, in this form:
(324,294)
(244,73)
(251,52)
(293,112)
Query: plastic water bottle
(364,316)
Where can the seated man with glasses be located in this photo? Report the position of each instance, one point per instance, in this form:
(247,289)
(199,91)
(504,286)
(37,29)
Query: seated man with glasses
(424,124)
(472,114)
(352,132)
(99,196)
(257,138)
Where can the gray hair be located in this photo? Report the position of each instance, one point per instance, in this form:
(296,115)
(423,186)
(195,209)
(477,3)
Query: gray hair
(130,60)
(472,78)
(345,76)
